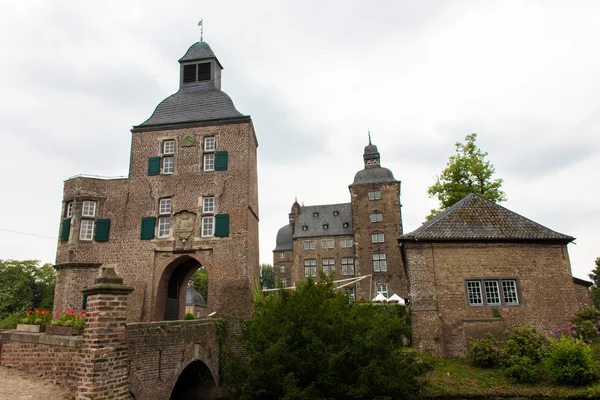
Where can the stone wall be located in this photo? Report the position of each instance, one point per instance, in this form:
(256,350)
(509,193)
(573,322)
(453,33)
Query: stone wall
(438,301)
(54,358)
(582,293)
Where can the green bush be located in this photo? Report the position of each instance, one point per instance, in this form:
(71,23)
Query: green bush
(570,362)
(585,323)
(11,321)
(484,353)
(521,368)
(188,316)
(525,341)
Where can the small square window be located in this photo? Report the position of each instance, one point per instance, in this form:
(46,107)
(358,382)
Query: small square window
(208,205)
(345,224)
(315,214)
(164,227)
(86,229)
(164,206)
(89,208)
(377,238)
(374,195)
(383,288)
(169,147)
(376,216)
(209,162)
(325,226)
(310,245)
(209,143)
(208,226)
(168,165)
(336,213)
(304,227)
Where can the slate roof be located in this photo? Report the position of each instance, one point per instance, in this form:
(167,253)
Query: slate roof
(284,239)
(477,219)
(194,297)
(373,175)
(193,106)
(325,216)
(198,51)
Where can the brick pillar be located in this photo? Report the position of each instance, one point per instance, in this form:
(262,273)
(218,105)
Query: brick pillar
(103,369)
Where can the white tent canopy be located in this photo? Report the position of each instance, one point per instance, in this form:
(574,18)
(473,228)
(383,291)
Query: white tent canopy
(396,299)
(379,298)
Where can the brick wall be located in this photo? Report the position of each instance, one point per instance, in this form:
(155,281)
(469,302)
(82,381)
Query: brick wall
(53,358)
(437,291)
(583,295)
(318,254)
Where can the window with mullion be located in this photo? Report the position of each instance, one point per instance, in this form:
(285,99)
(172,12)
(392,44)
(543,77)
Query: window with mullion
(88,209)
(509,290)
(376,216)
(347,266)
(164,217)
(310,267)
(168,166)
(86,229)
(493,292)
(208,226)
(169,147)
(209,162)
(377,238)
(379,262)
(383,288)
(328,265)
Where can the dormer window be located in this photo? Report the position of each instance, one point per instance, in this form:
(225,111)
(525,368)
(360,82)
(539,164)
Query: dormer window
(336,213)
(315,214)
(345,225)
(196,72)
(325,226)
(304,227)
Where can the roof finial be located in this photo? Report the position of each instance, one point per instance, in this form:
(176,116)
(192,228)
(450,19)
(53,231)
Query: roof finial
(369,130)
(201,30)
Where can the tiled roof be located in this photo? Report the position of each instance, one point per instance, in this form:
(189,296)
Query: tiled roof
(475,218)
(193,106)
(325,216)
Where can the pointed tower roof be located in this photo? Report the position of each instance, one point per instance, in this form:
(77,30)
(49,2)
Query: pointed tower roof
(373,171)
(199,99)
(476,219)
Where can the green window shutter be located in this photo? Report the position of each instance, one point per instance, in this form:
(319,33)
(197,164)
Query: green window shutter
(84,302)
(65,230)
(221,161)
(102,230)
(147,231)
(154,166)
(222,225)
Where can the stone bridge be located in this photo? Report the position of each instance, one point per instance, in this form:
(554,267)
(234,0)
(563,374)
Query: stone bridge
(114,360)
(173,359)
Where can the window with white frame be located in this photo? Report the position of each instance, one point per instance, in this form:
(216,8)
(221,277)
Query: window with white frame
(164,217)
(346,243)
(88,209)
(209,143)
(379,262)
(347,265)
(283,282)
(374,194)
(376,216)
(208,205)
(382,288)
(209,153)
(69,210)
(310,245)
(86,229)
(208,226)
(310,267)
(377,238)
(328,265)
(327,243)
(168,160)
(281,254)
(493,292)
(351,293)
(282,269)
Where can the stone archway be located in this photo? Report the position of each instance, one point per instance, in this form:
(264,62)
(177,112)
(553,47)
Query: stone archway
(195,383)
(172,287)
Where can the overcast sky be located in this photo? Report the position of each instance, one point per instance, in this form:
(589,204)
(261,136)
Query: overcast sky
(314,76)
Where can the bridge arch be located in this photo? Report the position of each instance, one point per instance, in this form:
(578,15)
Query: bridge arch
(194,382)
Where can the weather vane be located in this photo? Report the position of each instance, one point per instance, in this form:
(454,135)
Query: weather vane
(201,29)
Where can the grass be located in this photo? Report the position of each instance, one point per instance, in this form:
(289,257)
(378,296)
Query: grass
(455,377)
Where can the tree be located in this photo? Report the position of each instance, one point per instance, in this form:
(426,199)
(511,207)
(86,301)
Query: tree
(267,276)
(200,279)
(466,172)
(595,277)
(25,285)
(313,343)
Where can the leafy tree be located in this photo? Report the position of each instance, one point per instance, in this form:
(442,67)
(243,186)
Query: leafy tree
(200,279)
(267,276)
(25,285)
(466,172)
(313,343)
(595,277)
